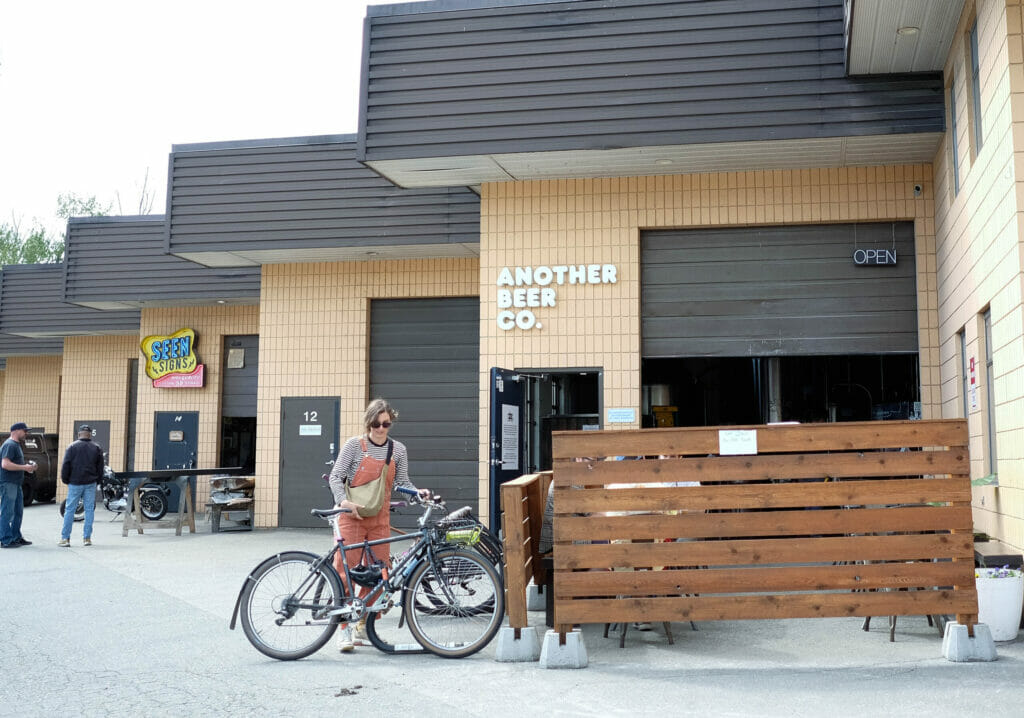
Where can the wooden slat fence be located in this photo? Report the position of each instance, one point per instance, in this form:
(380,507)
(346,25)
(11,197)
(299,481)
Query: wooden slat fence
(824,520)
(522,506)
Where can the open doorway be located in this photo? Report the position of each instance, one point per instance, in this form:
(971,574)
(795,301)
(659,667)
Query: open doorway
(558,400)
(715,391)
(526,405)
(238,443)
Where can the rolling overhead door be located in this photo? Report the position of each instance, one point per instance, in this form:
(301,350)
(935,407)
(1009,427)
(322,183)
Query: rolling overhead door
(777,291)
(425,360)
(241,375)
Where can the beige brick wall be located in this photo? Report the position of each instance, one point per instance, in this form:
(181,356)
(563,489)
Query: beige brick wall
(599,221)
(314,334)
(211,324)
(32,392)
(3,376)
(978,251)
(95,386)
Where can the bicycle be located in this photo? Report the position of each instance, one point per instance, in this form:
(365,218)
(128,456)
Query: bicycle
(474,533)
(449,593)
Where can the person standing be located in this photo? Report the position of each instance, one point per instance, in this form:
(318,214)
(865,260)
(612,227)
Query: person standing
(12,497)
(375,453)
(82,468)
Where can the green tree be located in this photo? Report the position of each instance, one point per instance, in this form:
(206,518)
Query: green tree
(21,247)
(35,245)
(71,205)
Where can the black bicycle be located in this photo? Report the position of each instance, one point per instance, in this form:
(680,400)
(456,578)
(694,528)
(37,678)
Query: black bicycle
(449,593)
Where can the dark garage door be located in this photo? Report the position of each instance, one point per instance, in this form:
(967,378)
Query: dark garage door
(425,360)
(777,291)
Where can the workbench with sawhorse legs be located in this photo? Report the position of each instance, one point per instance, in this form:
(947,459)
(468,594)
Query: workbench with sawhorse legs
(184,479)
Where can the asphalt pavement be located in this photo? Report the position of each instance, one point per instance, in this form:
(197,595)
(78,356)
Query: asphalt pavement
(138,626)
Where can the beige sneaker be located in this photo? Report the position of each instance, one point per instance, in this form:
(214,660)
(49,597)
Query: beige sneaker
(66,543)
(361,630)
(87,542)
(345,644)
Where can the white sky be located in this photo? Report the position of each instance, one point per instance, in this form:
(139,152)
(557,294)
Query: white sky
(94,92)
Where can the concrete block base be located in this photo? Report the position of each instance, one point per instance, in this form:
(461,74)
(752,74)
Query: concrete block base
(957,646)
(572,655)
(534,597)
(510,650)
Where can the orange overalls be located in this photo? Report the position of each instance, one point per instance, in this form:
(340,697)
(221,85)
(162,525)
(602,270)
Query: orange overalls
(354,530)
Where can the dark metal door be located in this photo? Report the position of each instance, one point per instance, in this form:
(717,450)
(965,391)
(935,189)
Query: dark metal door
(175,443)
(507,416)
(309,438)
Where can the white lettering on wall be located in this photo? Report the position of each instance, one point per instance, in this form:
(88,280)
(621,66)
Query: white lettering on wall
(532,289)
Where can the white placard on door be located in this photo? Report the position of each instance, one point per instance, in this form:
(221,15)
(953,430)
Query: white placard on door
(509,437)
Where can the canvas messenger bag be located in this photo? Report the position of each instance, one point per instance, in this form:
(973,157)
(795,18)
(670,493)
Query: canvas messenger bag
(369,487)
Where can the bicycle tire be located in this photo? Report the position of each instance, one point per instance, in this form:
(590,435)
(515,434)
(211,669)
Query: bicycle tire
(461,626)
(389,633)
(270,620)
(490,547)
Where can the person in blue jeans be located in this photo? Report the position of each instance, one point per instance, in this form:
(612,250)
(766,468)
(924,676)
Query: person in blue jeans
(81,469)
(12,498)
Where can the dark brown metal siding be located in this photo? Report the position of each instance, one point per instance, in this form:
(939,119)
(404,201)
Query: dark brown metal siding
(303,193)
(122,259)
(443,80)
(32,302)
(23,346)
(767,291)
(425,359)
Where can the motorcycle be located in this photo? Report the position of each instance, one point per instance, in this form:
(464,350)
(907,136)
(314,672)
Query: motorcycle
(113,491)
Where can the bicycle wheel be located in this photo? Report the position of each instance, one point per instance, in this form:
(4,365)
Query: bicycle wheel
(490,547)
(389,632)
(455,605)
(282,605)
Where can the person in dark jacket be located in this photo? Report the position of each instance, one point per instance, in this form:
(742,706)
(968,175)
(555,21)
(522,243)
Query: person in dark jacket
(82,468)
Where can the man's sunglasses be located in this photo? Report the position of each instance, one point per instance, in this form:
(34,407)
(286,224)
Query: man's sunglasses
(378,424)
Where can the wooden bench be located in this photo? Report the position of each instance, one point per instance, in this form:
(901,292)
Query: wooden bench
(824,520)
(238,506)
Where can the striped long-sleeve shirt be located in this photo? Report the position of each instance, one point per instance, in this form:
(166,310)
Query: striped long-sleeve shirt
(352,454)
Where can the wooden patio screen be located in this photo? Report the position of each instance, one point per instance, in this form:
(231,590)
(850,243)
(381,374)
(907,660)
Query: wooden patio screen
(850,519)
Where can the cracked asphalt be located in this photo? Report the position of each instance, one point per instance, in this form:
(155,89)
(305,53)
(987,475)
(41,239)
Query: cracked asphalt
(138,626)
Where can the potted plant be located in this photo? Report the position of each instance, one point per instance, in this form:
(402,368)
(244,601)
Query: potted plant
(1000,599)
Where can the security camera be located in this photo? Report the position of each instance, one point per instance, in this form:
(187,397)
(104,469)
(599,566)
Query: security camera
(917,190)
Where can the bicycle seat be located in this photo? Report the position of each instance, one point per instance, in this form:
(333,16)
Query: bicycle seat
(457,515)
(329,513)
